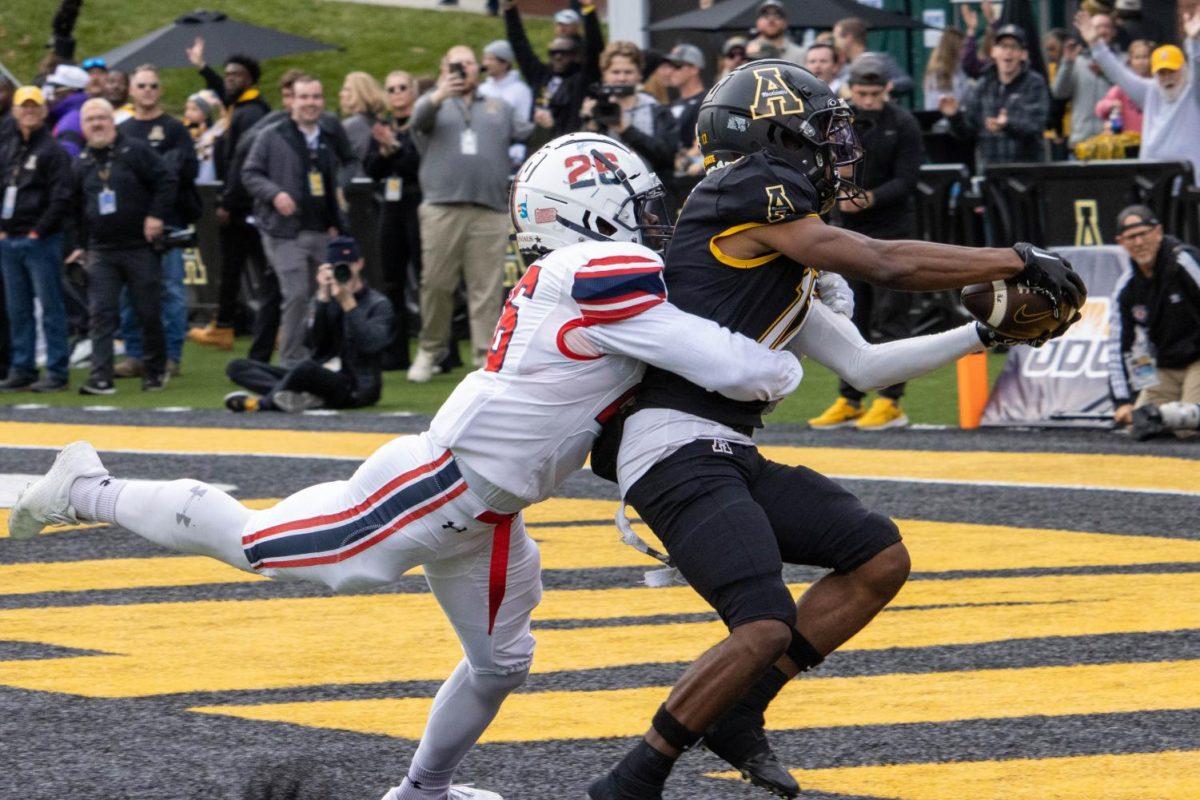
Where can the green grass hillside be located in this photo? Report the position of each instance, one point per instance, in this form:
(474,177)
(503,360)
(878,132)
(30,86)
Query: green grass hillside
(375,39)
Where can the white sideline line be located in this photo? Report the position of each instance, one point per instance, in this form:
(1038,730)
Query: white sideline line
(1017,485)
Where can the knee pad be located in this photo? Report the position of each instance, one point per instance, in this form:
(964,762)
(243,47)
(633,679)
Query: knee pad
(753,599)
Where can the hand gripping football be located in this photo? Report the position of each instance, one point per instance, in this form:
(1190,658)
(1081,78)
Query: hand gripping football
(1014,309)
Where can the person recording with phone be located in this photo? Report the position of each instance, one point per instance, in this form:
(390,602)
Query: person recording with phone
(616,108)
(350,321)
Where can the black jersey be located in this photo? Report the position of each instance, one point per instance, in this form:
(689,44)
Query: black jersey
(765,298)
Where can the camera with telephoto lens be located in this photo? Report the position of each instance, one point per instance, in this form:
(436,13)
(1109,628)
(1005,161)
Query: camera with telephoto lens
(607,112)
(175,238)
(342,272)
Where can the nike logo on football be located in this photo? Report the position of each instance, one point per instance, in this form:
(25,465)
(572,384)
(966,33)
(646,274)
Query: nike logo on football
(1021,315)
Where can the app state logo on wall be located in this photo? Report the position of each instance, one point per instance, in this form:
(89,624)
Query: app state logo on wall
(1087,224)
(773,97)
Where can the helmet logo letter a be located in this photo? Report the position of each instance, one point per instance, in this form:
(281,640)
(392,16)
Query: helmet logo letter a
(773,97)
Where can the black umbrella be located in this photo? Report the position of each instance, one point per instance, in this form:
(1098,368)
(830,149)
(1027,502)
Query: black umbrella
(223,37)
(739,15)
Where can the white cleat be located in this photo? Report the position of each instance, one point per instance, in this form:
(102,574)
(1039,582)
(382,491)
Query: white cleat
(48,501)
(457,792)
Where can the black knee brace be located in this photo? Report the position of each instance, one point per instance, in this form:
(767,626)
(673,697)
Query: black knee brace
(802,653)
(672,730)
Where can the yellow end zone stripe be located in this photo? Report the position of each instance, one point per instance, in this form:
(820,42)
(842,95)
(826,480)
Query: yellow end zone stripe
(1171,775)
(165,648)
(935,547)
(807,703)
(1054,469)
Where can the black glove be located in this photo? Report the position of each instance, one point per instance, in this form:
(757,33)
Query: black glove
(994,338)
(1052,275)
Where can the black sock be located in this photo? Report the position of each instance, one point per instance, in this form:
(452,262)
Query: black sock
(754,703)
(644,766)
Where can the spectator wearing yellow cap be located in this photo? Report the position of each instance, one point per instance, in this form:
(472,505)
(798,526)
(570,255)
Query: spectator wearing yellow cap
(1170,101)
(35,184)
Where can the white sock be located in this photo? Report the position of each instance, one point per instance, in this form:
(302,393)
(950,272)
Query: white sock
(95,498)
(465,705)
(185,515)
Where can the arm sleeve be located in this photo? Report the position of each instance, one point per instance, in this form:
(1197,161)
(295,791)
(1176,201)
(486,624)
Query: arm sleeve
(254,175)
(531,66)
(213,81)
(965,124)
(369,329)
(593,45)
(658,149)
(161,182)
(1030,119)
(1119,343)
(907,169)
(59,178)
(969,61)
(701,351)
(1192,46)
(321,330)
(1134,85)
(832,340)
(424,115)
(522,127)
(1063,85)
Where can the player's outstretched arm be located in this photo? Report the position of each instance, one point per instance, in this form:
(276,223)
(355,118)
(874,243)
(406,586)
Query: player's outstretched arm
(701,351)
(910,265)
(832,340)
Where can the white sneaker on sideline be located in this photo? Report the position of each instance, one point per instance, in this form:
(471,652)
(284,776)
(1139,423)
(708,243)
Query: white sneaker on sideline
(48,501)
(457,792)
(423,367)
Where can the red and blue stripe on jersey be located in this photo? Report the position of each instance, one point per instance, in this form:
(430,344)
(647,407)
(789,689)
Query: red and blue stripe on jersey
(328,538)
(618,287)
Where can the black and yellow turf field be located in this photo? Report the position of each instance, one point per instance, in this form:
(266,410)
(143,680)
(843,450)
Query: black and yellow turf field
(1046,648)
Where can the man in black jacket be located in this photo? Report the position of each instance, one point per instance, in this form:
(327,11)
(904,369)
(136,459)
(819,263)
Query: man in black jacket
(1155,327)
(891,139)
(35,174)
(239,240)
(560,86)
(351,322)
(120,194)
(169,138)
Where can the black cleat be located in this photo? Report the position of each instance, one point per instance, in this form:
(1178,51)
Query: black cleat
(740,740)
(611,788)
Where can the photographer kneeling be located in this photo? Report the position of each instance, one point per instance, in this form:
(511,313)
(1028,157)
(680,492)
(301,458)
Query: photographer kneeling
(616,108)
(351,322)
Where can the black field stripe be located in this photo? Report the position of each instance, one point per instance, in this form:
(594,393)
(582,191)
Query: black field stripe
(34,651)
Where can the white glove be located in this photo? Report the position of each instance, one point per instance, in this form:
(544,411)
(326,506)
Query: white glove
(835,293)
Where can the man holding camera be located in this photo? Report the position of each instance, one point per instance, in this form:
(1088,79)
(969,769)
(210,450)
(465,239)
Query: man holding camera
(463,139)
(350,322)
(617,109)
(169,138)
(291,172)
(121,192)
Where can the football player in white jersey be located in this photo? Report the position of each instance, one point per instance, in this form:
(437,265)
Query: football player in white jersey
(571,344)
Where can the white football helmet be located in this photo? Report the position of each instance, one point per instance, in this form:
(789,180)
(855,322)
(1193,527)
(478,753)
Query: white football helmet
(585,186)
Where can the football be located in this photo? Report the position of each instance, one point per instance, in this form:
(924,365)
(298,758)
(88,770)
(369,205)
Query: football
(1012,308)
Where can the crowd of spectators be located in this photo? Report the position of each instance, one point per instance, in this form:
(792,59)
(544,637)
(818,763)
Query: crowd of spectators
(102,176)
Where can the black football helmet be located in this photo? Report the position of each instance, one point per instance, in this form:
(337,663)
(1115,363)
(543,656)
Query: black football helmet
(776,106)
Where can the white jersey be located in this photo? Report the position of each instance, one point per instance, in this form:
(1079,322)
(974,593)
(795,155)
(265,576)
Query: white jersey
(569,349)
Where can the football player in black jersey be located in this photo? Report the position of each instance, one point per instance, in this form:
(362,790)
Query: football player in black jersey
(780,150)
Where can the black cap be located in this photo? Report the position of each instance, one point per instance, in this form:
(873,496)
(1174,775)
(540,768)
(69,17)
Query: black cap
(1144,213)
(342,249)
(1012,32)
(775,4)
(867,71)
